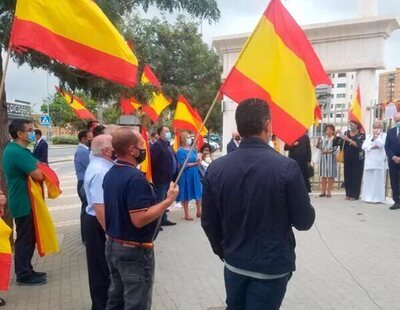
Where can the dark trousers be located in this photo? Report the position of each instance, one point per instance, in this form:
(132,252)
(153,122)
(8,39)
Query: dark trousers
(132,277)
(353,174)
(394,172)
(82,196)
(99,277)
(304,171)
(245,293)
(161,194)
(24,246)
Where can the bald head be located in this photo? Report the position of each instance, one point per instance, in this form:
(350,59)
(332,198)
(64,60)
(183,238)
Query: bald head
(123,139)
(101,145)
(397,117)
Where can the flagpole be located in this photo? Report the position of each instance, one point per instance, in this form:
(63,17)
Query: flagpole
(3,79)
(197,137)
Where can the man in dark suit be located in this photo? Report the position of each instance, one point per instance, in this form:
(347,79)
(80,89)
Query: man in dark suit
(41,148)
(234,143)
(164,167)
(251,199)
(392,147)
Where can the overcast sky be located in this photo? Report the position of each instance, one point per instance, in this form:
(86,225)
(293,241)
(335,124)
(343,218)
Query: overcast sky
(237,16)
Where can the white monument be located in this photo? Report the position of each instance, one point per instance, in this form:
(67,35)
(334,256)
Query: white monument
(342,46)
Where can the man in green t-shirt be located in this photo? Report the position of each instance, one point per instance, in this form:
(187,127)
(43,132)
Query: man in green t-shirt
(18,165)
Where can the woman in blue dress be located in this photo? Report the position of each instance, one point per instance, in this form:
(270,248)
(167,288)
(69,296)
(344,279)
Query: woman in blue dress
(189,184)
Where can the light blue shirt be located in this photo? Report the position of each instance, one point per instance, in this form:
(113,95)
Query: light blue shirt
(93,182)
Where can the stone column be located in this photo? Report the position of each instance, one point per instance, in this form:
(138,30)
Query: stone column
(366,78)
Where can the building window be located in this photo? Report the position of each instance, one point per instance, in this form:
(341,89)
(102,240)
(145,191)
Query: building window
(342,75)
(341,85)
(340,95)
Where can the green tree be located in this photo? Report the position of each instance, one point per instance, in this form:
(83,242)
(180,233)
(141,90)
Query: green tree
(183,63)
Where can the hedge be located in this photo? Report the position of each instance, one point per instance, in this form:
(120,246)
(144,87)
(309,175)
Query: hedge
(65,140)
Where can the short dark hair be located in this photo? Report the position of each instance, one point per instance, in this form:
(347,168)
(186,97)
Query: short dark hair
(331,126)
(251,115)
(17,125)
(153,134)
(159,129)
(82,134)
(206,146)
(98,130)
(38,132)
(90,124)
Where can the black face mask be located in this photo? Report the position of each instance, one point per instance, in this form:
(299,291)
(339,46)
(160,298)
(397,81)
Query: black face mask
(113,155)
(141,157)
(89,144)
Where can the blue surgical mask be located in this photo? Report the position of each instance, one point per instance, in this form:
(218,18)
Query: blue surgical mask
(31,136)
(168,136)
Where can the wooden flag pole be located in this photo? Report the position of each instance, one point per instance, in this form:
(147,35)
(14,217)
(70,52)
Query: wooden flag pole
(197,137)
(3,79)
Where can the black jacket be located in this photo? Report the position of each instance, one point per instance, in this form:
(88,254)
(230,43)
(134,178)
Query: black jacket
(301,152)
(251,199)
(41,151)
(162,166)
(231,146)
(392,145)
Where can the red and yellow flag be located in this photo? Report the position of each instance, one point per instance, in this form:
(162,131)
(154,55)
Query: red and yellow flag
(355,112)
(5,255)
(279,65)
(129,105)
(145,166)
(187,118)
(77,33)
(159,102)
(45,232)
(77,105)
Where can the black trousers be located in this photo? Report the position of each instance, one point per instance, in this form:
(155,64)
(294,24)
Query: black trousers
(99,276)
(82,196)
(353,174)
(24,246)
(394,172)
(304,171)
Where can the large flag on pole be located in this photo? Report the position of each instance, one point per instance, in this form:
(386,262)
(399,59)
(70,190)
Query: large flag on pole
(355,112)
(159,102)
(145,166)
(187,118)
(77,105)
(129,105)
(77,33)
(279,65)
(5,255)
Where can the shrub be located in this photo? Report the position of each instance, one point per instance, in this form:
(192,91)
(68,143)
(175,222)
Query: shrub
(65,140)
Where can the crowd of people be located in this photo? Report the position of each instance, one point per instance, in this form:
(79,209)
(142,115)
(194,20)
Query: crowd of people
(122,213)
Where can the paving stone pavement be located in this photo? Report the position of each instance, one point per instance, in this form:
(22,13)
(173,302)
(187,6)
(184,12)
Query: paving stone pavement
(363,237)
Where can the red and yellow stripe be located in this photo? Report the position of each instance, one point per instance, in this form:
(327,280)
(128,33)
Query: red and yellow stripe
(5,255)
(187,118)
(129,105)
(279,65)
(77,105)
(77,33)
(355,112)
(145,166)
(158,102)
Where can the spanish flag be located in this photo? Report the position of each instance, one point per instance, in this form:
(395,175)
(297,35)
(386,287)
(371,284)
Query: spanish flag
(355,112)
(77,105)
(279,65)
(77,33)
(45,232)
(145,166)
(5,255)
(129,105)
(159,102)
(187,118)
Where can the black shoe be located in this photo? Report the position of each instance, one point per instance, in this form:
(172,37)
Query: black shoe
(161,229)
(39,274)
(395,206)
(168,223)
(2,302)
(31,281)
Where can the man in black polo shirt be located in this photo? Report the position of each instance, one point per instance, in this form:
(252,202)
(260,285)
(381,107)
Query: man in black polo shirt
(131,214)
(251,199)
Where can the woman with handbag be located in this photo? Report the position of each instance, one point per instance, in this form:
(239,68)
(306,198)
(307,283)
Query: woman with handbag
(327,163)
(353,160)
(300,151)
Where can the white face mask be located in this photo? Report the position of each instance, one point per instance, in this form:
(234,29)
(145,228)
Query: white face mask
(207,159)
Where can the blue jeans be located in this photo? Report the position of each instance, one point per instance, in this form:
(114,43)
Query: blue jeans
(132,277)
(253,294)
(161,194)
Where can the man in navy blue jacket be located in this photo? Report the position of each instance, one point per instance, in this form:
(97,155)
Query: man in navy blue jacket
(392,147)
(251,199)
(163,166)
(41,149)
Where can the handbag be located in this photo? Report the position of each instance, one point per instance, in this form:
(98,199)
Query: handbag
(340,155)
